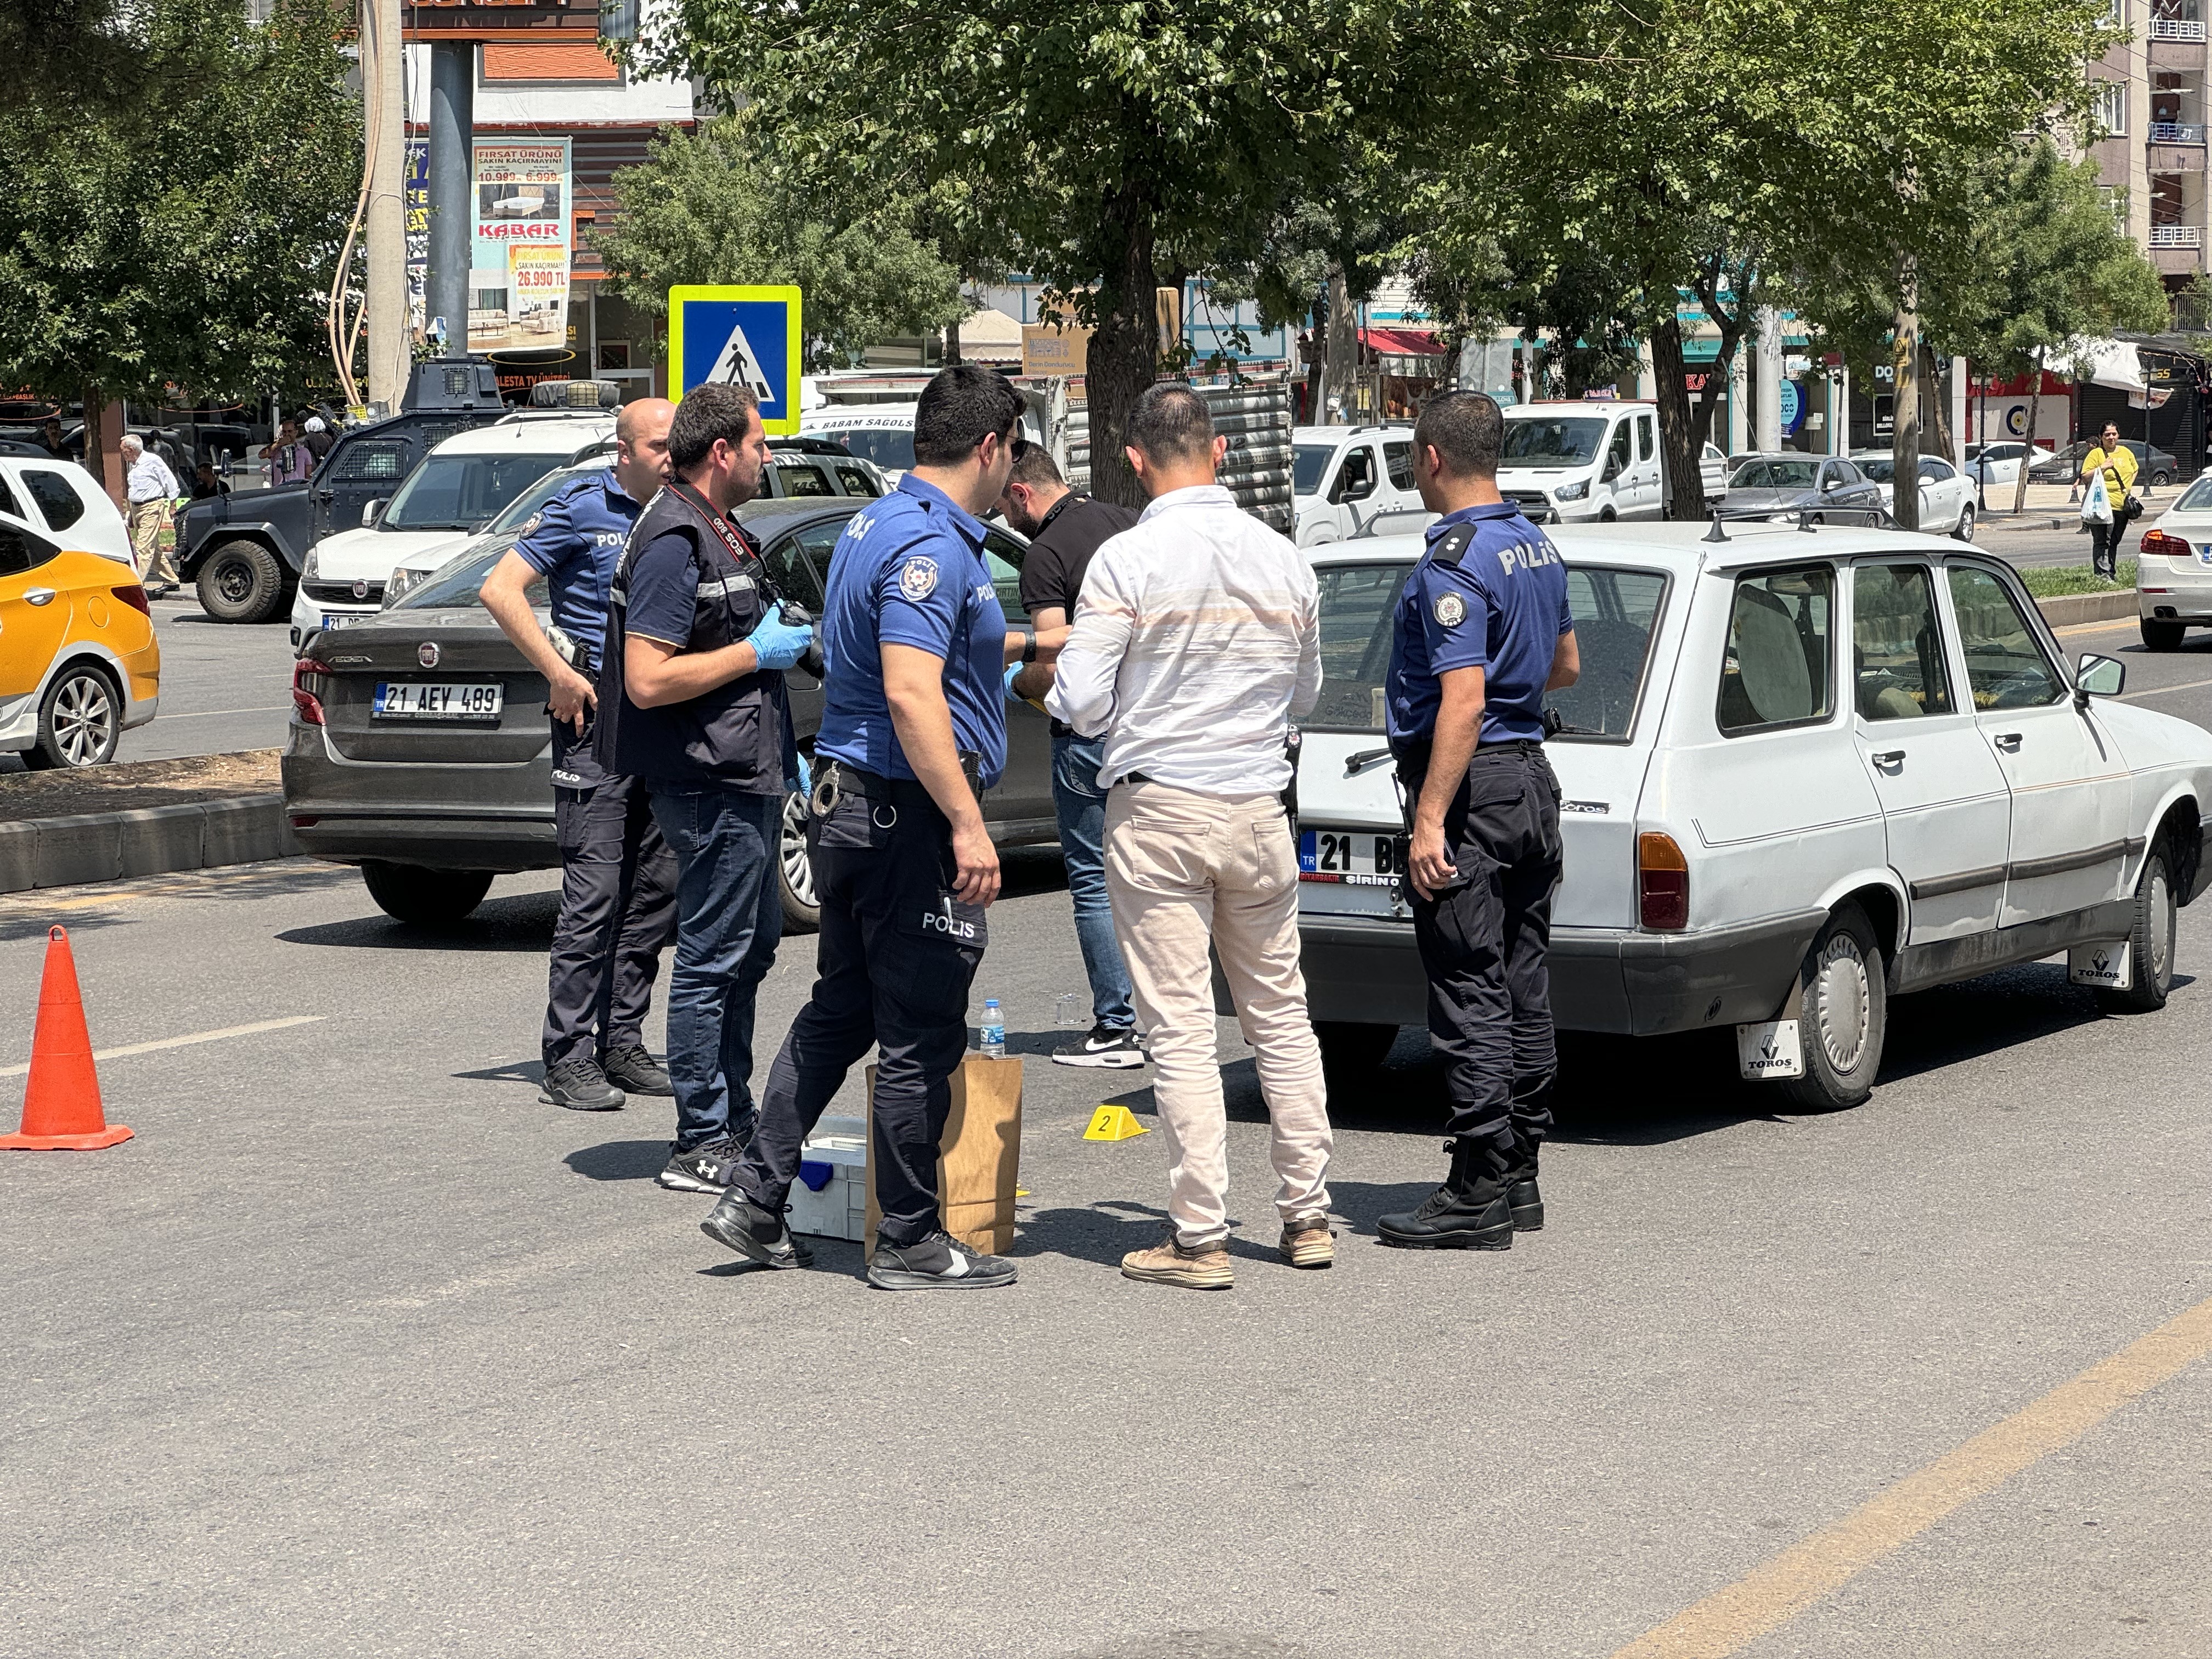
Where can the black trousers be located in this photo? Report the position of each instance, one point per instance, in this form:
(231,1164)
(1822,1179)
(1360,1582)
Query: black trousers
(1484,942)
(897,956)
(617,907)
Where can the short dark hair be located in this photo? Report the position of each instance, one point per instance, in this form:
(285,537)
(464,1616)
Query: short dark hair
(962,404)
(1170,422)
(1033,464)
(1467,431)
(716,411)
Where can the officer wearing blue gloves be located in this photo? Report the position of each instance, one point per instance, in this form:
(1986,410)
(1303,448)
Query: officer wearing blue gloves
(692,701)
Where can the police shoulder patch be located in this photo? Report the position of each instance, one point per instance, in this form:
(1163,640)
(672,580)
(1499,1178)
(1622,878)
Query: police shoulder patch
(1450,611)
(918,577)
(531,524)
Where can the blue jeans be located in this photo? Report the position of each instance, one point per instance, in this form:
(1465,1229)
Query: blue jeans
(1081,806)
(728,921)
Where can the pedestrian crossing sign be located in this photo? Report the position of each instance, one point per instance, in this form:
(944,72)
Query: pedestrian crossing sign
(744,335)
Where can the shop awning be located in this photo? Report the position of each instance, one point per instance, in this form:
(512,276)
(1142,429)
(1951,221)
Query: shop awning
(1401,342)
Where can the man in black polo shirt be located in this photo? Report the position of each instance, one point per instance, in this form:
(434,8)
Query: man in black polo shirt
(1065,528)
(692,702)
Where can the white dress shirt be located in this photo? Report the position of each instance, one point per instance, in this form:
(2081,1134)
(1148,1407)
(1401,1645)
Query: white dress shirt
(150,480)
(1197,638)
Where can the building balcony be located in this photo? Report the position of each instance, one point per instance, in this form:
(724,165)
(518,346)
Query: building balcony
(2177,236)
(2177,133)
(2176,28)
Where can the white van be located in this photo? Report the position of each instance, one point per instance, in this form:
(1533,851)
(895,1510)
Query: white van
(1354,481)
(879,433)
(1591,462)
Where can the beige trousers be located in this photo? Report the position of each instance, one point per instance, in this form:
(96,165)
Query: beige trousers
(145,528)
(1181,870)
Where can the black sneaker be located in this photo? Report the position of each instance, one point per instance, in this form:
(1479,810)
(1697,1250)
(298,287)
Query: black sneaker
(706,1167)
(1111,1046)
(938,1262)
(635,1071)
(580,1085)
(749,1230)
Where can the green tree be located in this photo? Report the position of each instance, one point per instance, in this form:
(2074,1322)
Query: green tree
(717,206)
(1120,130)
(183,236)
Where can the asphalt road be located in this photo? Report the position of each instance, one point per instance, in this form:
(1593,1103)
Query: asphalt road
(357,1350)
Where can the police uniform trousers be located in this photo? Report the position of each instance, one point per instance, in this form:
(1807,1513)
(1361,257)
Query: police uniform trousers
(617,906)
(898,955)
(1484,943)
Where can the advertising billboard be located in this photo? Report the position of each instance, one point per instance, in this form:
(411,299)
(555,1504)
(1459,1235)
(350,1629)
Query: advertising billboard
(518,259)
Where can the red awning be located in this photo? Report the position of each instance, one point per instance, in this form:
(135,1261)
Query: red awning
(1401,342)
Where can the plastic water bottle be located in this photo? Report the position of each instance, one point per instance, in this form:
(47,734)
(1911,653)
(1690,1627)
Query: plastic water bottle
(995,1029)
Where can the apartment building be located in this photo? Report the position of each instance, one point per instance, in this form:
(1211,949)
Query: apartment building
(2152,107)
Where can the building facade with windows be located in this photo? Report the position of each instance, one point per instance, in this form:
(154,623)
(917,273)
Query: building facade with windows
(2152,108)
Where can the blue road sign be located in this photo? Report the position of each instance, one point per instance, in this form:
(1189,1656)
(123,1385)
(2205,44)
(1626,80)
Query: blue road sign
(744,335)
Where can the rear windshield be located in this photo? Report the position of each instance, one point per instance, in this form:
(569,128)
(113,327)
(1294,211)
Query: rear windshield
(1614,610)
(2197,498)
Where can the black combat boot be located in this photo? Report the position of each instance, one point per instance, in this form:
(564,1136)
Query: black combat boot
(1469,1211)
(1522,1195)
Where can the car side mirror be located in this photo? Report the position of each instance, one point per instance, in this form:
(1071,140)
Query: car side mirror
(1349,489)
(1829,485)
(2098,677)
(1611,470)
(372,513)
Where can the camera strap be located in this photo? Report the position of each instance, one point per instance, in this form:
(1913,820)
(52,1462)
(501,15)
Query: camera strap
(740,545)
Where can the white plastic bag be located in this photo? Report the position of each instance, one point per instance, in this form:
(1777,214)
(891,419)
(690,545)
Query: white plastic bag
(2096,503)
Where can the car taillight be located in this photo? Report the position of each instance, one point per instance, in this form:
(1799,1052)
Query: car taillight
(2156,542)
(134,596)
(1662,882)
(308,684)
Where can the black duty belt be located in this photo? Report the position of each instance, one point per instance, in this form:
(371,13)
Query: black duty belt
(835,779)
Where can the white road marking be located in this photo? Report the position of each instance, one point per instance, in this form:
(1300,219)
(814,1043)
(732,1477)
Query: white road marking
(184,1042)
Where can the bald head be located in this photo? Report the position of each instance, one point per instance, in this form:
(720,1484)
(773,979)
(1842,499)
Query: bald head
(642,447)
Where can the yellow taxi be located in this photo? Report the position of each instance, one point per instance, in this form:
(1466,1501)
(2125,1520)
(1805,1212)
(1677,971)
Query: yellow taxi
(79,666)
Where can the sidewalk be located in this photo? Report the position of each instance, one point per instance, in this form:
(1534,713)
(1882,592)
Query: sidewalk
(2048,508)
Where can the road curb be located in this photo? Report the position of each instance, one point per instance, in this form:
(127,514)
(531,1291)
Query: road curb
(147,840)
(2069,609)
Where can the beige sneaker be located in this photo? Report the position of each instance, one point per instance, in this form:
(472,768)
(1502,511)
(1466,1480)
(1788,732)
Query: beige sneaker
(1168,1262)
(1308,1242)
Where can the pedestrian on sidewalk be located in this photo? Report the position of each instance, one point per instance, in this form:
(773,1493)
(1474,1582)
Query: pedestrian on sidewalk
(151,488)
(1065,528)
(692,701)
(617,876)
(1197,639)
(914,730)
(1481,632)
(2118,463)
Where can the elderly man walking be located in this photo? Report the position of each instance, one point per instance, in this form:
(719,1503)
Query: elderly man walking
(1198,638)
(150,487)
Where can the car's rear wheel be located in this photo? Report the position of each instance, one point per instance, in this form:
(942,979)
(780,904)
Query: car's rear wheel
(794,870)
(80,720)
(1351,1054)
(241,581)
(2150,941)
(1964,531)
(2159,480)
(425,899)
(2161,635)
(1843,1015)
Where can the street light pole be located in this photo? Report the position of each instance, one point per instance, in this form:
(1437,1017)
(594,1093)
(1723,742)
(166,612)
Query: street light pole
(384,103)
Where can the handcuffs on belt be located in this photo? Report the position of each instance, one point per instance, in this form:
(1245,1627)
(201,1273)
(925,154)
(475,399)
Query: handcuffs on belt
(828,791)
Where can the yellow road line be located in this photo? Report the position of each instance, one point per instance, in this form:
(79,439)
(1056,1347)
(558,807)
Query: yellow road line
(185,1042)
(1729,1620)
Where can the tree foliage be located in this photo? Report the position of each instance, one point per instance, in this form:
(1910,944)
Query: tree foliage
(181,235)
(719,206)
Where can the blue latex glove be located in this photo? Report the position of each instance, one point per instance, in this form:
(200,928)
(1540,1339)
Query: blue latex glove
(778,644)
(1012,672)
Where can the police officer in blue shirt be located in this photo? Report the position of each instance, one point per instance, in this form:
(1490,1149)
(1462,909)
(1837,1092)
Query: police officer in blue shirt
(692,702)
(617,879)
(1481,631)
(913,730)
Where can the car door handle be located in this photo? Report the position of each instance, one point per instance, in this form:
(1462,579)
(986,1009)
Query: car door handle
(39,596)
(1889,758)
(2008,740)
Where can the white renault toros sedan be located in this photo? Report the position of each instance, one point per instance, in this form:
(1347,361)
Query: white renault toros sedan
(1803,771)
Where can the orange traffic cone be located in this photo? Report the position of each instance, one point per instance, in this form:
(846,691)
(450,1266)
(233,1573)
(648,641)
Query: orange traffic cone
(61,1102)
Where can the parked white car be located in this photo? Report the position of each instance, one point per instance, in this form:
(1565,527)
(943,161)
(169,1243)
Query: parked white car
(1353,481)
(2001,461)
(2174,570)
(1802,772)
(1947,495)
(61,501)
(456,489)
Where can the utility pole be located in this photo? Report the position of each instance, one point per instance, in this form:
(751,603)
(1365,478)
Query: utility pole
(1769,378)
(383,106)
(452,207)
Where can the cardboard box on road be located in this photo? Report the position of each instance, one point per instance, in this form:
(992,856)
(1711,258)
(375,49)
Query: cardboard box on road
(978,1159)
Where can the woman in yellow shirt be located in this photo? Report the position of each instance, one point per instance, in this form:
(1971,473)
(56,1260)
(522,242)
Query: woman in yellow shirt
(2118,463)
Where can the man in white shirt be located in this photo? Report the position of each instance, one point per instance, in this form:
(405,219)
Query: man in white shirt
(1197,637)
(150,487)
